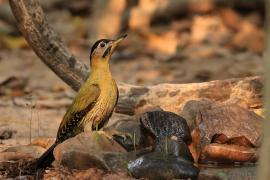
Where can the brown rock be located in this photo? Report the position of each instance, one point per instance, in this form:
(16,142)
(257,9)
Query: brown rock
(191,109)
(224,153)
(31,150)
(14,156)
(230,120)
(88,150)
(43,142)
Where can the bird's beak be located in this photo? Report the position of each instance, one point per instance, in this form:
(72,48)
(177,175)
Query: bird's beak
(116,42)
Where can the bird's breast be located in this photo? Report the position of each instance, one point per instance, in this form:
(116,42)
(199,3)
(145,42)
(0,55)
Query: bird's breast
(104,104)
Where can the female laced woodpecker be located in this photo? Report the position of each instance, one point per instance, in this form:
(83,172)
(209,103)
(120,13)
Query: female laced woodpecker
(94,102)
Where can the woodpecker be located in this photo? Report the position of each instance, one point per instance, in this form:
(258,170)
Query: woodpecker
(94,102)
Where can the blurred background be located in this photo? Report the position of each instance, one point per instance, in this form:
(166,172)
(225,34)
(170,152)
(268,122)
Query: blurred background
(169,41)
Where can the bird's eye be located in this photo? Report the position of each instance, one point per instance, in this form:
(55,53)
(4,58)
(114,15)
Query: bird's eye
(102,44)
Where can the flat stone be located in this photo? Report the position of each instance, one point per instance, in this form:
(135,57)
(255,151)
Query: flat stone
(29,150)
(88,150)
(225,153)
(14,156)
(159,166)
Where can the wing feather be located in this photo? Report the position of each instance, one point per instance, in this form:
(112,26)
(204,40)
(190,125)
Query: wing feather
(81,105)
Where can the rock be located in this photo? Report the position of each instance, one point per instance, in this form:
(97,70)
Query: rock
(43,142)
(241,140)
(224,153)
(230,120)
(159,166)
(127,133)
(88,150)
(31,150)
(170,146)
(163,123)
(191,109)
(14,156)
(237,173)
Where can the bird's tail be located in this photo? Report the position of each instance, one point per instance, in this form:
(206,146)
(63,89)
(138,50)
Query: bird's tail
(46,158)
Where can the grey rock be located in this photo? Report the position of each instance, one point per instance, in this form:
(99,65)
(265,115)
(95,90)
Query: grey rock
(160,166)
(88,150)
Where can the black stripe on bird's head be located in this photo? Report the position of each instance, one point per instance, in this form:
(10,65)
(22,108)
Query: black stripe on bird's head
(103,48)
(100,44)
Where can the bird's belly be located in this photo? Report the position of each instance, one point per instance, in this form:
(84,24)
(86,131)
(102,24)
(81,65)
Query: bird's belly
(101,111)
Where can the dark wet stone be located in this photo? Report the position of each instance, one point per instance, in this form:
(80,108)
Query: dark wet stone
(164,123)
(159,166)
(173,147)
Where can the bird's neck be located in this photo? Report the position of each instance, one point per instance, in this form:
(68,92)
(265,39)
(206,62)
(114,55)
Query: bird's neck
(100,72)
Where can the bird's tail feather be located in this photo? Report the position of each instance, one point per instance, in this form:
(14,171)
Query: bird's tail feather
(46,158)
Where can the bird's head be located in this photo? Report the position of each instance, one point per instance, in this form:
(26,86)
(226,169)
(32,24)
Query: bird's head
(102,51)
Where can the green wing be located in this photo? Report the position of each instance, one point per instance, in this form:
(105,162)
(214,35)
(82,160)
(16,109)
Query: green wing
(81,105)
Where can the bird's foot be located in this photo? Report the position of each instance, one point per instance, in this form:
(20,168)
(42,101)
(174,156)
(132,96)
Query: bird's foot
(124,135)
(110,134)
(106,134)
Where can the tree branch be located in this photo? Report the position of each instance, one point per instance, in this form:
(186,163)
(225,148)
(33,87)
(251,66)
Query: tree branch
(47,44)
